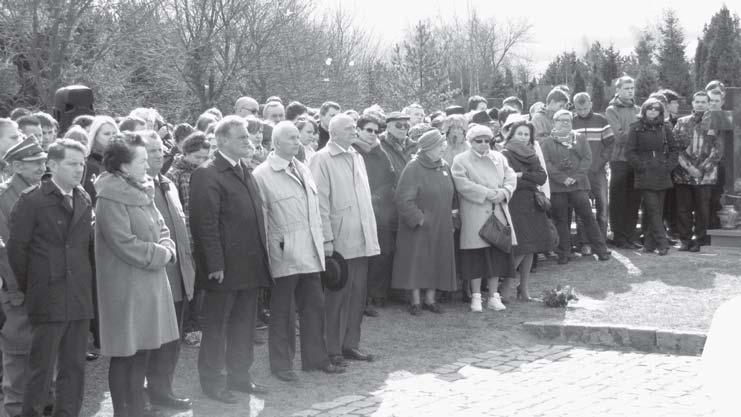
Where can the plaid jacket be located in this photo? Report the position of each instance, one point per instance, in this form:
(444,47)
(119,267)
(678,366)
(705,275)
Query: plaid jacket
(179,174)
(700,148)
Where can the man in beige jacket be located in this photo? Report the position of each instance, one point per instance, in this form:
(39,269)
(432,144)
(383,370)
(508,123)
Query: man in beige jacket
(296,252)
(349,227)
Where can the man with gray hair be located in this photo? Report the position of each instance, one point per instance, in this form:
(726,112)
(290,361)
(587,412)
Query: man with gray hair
(349,227)
(228,231)
(246,106)
(274,112)
(296,254)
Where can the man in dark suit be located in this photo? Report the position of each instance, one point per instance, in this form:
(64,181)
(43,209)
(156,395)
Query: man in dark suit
(228,230)
(49,252)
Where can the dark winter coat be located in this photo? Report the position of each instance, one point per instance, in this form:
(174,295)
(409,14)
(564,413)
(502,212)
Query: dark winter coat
(530,222)
(382,181)
(652,152)
(568,162)
(425,251)
(49,251)
(227,227)
(93,169)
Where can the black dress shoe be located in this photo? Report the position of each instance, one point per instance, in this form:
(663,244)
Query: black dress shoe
(434,307)
(248,387)
(333,369)
(91,356)
(356,355)
(225,396)
(663,251)
(694,247)
(287,375)
(370,311)
(684,246)
(338,360)
(604,256)
(563,260)
(48,410)
(169,401)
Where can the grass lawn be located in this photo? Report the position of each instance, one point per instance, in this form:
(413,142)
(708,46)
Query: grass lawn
(680,291)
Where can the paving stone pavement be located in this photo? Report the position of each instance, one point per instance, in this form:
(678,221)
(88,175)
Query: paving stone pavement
(540,380)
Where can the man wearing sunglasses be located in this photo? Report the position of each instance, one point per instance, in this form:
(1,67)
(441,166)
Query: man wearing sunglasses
(395,141)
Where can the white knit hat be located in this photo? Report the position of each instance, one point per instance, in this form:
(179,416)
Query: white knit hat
(475,131)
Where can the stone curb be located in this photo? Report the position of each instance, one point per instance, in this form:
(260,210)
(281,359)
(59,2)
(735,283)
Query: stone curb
(645,339)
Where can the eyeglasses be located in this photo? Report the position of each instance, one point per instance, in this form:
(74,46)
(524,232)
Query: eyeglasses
(371,131)
(482,140)
(401,125)
(654,108)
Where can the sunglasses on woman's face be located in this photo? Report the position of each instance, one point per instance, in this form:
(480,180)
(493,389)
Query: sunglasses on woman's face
(371,131)
(402,125)
(655,108)
(482,140)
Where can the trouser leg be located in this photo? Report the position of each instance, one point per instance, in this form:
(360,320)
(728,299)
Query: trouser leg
(560,213)
(163,361)
(310,304)
(118,375)
(579,200)
(282,330)
(216,310)
(70,386)
(135,399)
(653,202)
(617,191)
(358,270)
(16,344)
(240,335)
(45,341)
(701,195)
(336,307)
(598,181)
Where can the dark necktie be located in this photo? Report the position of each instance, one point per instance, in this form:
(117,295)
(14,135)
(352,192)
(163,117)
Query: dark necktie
(68,203)
(240,170)
(295,172)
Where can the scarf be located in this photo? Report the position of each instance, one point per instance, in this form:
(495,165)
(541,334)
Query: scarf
(566,139)
(366,147)
(520,149)
(147,186)
(652,124)
(426,162)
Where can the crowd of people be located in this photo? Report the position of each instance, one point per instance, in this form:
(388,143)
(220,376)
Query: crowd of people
(131,229)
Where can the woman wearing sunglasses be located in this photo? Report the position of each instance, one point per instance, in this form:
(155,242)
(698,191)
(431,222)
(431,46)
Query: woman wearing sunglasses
(653,154)
(485,183)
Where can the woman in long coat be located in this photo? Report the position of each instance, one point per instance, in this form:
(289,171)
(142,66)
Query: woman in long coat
(652,153)
(425,198)
(485,184)
(529,220)
(132,249)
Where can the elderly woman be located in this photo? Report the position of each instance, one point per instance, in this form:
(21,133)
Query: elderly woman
(103,129)
(308,136)
(568,159)
(529,220)
(485,183)
(254,130)
(425,198)
(382,181)
(653,154)
(132,250)
(454,129)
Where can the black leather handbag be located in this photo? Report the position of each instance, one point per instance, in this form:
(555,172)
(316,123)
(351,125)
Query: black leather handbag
(496,233)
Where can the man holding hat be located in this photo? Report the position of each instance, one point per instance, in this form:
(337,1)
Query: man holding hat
(568,160)
(296,252)
(349,227)
(28,161)
(396,143)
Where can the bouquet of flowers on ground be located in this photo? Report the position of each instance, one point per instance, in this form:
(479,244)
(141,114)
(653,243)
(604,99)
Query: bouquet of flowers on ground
(559,296)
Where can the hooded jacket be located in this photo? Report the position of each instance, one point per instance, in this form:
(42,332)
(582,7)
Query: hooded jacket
(620,115)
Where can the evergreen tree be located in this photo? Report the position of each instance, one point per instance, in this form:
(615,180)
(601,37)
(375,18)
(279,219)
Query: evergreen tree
(579,84)
(421,76)
(673,68)
(646,75)
(611,66)
(722,41)
(699,64)
(599,99)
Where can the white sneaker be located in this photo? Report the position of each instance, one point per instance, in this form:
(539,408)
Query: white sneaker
(495,303)
(476,303)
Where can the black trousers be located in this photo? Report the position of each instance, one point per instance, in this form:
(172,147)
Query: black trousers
(228,337)
(302,293)
(126,382)
(561,204)
(63,344)
(625,201)
(670,211)
(653,223)
(693,210)
(163,361)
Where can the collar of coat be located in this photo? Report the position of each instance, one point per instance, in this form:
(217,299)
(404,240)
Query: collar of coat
(279,164)
(335,149)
